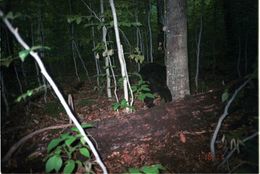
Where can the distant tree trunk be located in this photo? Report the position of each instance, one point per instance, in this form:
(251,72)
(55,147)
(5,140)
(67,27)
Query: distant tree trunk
(160,23)
(104,40)
(150,31)
(176,48)
(199,46)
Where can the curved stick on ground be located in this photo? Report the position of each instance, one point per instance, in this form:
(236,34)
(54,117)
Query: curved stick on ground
(27,137)
(223,116)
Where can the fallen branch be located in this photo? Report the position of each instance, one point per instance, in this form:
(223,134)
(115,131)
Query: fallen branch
(24,139)
(222,117)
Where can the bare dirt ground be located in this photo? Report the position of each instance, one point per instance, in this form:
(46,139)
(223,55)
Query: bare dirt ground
(180,142)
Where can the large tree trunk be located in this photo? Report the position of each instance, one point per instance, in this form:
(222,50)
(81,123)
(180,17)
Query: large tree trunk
(153,136)
(176,48)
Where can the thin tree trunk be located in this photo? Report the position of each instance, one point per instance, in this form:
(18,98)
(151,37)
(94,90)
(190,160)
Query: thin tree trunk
(150,32)
(72,46)
(214,40)
(126,83)
(160,23)
(80,58)
(198,54)
(3,94)
(104,40)
(246,40)
(18,79)
(137,36)
(239,57)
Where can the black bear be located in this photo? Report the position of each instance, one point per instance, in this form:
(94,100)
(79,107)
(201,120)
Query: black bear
(155,75)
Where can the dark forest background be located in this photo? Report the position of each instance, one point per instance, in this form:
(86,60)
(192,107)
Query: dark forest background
(69,36)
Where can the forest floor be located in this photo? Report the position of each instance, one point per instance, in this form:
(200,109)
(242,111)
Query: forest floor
(192,153)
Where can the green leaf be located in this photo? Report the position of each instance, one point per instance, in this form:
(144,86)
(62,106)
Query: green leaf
(82,140)
(70,19)
(115,106)
(79,163)
(150,170)
(29,93)
(146,89)
(134,171)
(23,54)
(69,141)
(225,96)
(58,150)
(84,126)
(65,136)
(84,152)
(149,95)
(134,88)
(11,15)
(141,97)
(137,24)
(53,163)
(159,166)
(53,144)
(6,62)
(123,103)
(79,19)
(69,167)
(111,23)
(40,47)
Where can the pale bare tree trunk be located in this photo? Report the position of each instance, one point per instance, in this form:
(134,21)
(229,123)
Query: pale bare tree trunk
(126,83)
(104,33)
(176,48)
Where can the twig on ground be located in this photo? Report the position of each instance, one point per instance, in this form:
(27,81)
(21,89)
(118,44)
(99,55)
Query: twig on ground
(222,117)
(24,139)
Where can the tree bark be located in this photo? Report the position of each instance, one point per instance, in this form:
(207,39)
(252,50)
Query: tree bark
(176,49)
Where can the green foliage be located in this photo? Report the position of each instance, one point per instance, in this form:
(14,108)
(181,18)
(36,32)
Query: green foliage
(24,53)
(66,148)
(84,126)
(153,169)
(30,93)
(100,47)
(108,53)
(141,90)
(76,18)
(7,61)
(11,15)
(123,104)
(224,96)
(137,56)
(126,24)
(54,163)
